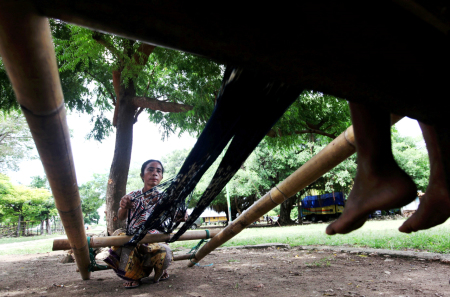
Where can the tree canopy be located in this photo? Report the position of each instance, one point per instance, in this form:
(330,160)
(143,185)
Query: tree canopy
(93,67)
(313,115)
(92,194)
(16,142)
(19,203)
(412,156)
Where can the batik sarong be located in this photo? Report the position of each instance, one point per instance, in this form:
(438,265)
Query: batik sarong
(144,258)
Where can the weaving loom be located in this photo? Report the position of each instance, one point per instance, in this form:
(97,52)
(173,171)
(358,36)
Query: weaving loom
(392,54)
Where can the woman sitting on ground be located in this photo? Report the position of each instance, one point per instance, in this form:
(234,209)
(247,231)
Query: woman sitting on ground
(145,257)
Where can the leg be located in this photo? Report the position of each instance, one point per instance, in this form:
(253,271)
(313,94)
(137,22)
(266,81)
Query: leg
(379,182)
(157,257)
(434,208)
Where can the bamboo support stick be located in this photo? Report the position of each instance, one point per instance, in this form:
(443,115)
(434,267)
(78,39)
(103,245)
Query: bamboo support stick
(334,153)
(175,258)
(63,244)
(27,51)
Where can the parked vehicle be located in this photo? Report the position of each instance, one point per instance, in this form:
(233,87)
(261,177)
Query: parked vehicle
(322,207)
(198,222)
(376,214)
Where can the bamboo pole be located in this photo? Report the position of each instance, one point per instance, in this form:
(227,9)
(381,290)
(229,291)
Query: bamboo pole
(27,51)
(175,258)
(334,153)
(96,242)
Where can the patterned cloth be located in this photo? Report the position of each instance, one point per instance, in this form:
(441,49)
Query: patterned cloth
(144,258)
(143,208)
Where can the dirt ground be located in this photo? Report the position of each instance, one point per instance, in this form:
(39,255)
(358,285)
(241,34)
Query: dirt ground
(238,272)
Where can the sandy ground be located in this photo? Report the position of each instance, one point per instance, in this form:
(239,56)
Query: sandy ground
(239,272)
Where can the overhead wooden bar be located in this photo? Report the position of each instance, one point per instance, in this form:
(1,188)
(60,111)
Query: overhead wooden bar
(96,242)
(336,47)
(27,51)
(334,153)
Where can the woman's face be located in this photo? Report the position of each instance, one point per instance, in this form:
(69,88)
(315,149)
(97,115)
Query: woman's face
(152,175)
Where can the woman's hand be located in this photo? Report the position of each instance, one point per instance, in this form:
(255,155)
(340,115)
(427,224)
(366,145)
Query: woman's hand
(180,217)
(125,202)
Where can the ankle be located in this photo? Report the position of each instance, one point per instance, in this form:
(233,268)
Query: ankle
(377,166)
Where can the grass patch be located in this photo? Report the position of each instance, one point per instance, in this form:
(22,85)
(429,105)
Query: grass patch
(44,246)
(27,238)
(319,263)
(374,234)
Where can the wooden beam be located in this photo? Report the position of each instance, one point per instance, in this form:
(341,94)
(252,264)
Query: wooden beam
(335,47)
(27,51)
(63,244)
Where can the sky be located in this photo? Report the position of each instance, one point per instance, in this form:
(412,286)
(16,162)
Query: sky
(91,157)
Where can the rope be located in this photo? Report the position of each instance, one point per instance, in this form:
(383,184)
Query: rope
(195,249)
(93,264)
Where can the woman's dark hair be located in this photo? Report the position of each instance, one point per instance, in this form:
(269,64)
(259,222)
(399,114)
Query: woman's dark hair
(149,161)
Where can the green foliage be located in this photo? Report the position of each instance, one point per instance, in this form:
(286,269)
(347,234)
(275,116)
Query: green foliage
(312,116)
(88,58)
(134,181)
(265,168)
(188,79)
(173,162)
(16,142)
(268,166)
(39,182)
(412,157)
(47,208)
(92,194)
(21,200)
(7,98)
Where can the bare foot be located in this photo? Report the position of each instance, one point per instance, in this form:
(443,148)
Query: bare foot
(165,276)
(131,284)
(387,188)
(434,209)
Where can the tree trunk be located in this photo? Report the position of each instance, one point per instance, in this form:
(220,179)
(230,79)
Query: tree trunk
(42,227)
(19,225)
(49,227)
(285,212)
(118,174)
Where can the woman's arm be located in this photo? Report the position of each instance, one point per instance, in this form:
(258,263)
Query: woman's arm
(125,205)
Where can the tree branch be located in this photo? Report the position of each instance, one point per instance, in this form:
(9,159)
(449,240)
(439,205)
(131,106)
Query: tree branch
(317,126)
(103,84)
(143,50)
(97,36)
(3,136)
(272,133)
(328,127)
(138,112)
(154,104)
